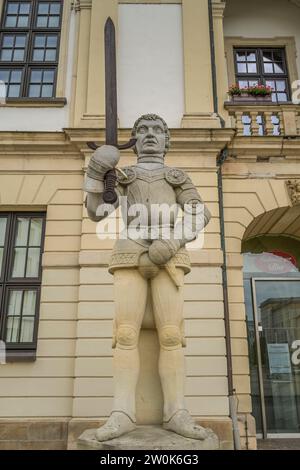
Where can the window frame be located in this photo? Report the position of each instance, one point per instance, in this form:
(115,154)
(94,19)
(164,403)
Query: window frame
(5,255)
(25,350)
(29,64)
(260,74)
(24,346)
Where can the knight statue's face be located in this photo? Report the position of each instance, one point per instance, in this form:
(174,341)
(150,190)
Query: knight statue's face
(151,138)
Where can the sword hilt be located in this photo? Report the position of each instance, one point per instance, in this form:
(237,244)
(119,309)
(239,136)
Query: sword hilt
(128,145)
(110,196)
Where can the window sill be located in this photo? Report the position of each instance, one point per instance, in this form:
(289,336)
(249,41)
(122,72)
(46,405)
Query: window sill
(255,102)
(34,103)
(20,356)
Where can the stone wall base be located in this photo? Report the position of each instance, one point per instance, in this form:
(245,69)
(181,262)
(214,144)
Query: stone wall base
(34,434)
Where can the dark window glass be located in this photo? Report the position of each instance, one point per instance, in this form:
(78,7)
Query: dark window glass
(45,48)
(17,14)
(247,83)
(12,79)
(263,66)
(21,246)
(21,312)
(246,62)
(13,47)
(41,83)
(3,227)
(30,36)
(48,15)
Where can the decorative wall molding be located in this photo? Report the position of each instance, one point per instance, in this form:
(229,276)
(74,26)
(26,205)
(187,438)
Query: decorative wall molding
(218,9)
(82,4)
(293,187)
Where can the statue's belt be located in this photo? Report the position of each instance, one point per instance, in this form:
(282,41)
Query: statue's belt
(129,258)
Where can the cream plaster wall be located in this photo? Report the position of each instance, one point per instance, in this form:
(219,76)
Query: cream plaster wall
(150,72)
(42,118)
(263,19)
(44,388)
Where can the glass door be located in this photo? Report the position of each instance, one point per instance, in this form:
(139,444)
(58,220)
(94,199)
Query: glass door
(274,343)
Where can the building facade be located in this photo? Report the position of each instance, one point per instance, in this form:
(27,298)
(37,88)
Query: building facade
(176,58)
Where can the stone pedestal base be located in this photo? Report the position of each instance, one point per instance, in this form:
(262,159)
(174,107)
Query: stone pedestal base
(146,438)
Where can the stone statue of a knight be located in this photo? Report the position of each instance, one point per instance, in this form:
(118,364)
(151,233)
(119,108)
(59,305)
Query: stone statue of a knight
(148,261)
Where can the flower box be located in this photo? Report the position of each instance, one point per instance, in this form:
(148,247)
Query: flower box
(246,98)
(252,94)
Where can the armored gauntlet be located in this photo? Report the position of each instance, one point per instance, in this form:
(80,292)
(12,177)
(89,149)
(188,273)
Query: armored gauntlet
(161,251)
(103,160)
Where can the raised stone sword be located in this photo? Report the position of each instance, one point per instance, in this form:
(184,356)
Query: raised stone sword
(111,109)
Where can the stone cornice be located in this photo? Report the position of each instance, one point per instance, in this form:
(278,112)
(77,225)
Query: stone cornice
(253,149)
(37,143)
(204,143)
(193,148)
(209,141)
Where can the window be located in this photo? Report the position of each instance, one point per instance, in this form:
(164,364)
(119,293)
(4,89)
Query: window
(21,246)
(263,66)
(29,47)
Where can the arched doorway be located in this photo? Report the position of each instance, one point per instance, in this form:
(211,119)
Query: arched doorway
(271,248)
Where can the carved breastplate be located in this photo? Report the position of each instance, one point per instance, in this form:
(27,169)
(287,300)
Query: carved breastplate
(151,187)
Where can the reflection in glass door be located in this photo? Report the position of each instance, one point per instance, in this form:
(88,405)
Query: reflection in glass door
(274,340)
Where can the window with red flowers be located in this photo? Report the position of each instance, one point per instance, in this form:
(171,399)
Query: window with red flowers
(265,66)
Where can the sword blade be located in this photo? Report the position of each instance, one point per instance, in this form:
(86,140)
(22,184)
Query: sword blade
(111,84)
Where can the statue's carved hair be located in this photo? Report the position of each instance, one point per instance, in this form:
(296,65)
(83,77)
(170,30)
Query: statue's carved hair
(152,117)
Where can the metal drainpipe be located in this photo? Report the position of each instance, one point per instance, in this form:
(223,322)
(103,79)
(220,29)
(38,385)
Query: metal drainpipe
(231,389)
(221,160)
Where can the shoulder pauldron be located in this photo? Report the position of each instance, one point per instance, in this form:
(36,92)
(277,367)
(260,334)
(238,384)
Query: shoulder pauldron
(129,178)
(175,176)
